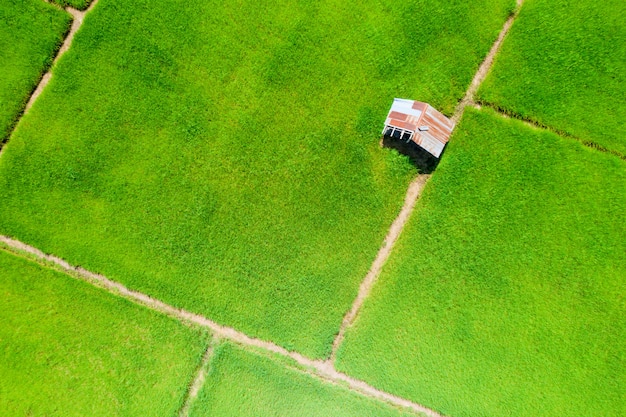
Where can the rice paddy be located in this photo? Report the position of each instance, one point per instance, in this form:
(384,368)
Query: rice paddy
(226,160)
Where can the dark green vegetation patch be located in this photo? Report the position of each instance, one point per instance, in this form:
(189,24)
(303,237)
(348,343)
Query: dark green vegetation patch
(564,65)
(77,4)
(225,158)
(242,384)
(68,349)
(31,31)
(505,294)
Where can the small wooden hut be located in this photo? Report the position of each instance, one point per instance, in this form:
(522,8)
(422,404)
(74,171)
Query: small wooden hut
(418,122)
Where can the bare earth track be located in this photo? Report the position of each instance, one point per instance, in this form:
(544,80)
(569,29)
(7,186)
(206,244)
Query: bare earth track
(76,24)
(198,381)
(413,193)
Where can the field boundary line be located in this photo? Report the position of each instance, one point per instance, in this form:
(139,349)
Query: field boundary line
(415,189)
(77,20)
(538,125)
(198,380)
(323,369)
(470,95)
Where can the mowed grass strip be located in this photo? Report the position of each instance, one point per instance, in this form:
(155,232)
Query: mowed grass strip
(226,158)
(240,383)
(31,31)
(564,65)
(69,349)
(505,293)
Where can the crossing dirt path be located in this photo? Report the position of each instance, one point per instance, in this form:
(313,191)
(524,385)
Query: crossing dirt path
(413,193)
(198,381)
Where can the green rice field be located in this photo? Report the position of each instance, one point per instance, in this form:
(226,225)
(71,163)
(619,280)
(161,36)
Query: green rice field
(241,384)
(564,65)
(68,349)
(505,293)
(226,159)
(30,33)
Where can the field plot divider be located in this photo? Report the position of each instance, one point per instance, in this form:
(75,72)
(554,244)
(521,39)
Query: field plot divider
(415,189)
(322,369)
(199,378)
(413,193)
(77,20)
(483,69)
(536,125)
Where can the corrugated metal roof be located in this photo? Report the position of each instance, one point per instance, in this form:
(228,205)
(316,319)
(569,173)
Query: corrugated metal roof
(427,127)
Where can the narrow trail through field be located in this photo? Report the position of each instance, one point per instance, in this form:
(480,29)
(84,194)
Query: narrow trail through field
(77,21)
(483,70)
(322,369)
(414,191)
(198,380)
(78,18)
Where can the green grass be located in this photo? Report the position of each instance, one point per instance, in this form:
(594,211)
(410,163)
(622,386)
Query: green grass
(69,349)
(505,293)
(227,159)
(241,384)
(564,65)
(30,33)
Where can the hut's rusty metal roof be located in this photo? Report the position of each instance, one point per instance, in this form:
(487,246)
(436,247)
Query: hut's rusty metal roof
(429,129)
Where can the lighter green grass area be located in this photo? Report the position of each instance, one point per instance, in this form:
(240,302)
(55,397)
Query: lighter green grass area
(226,158)
(505,294)
(69,349)
(30,33)
(241,384)
(564,65)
